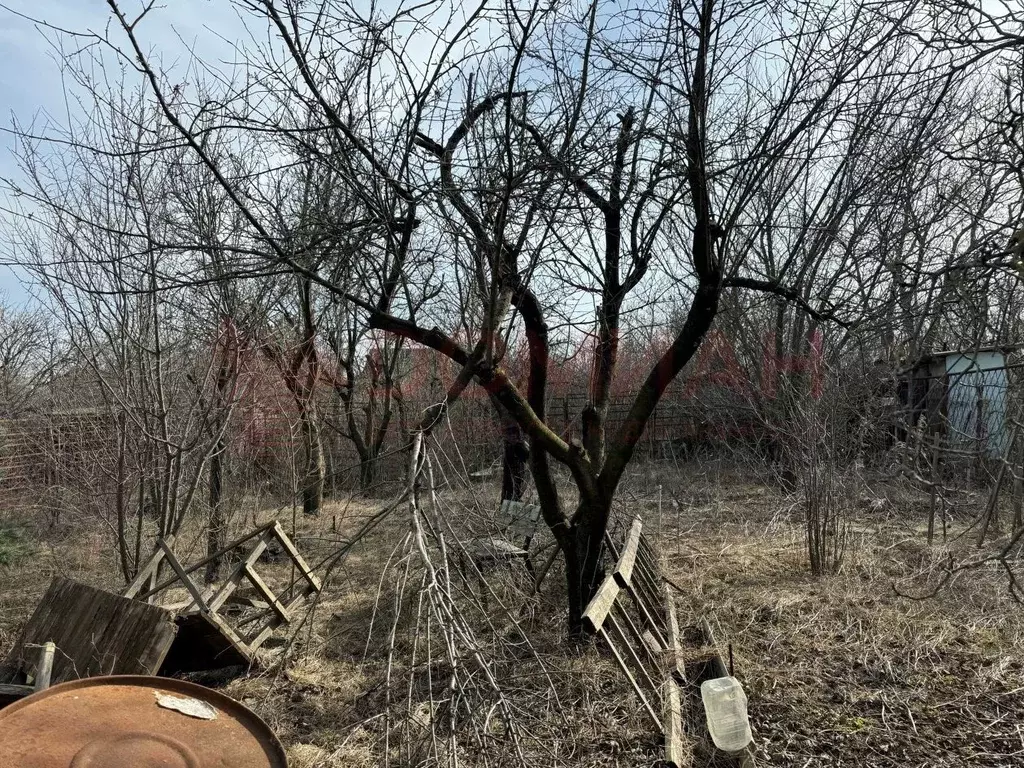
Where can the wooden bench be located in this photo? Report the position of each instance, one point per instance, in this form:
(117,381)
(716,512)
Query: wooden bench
(516,522)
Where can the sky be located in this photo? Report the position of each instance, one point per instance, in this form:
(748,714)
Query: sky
(30,68)
(30,74)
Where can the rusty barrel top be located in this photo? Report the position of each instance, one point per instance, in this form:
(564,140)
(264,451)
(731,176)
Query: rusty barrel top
(102,722)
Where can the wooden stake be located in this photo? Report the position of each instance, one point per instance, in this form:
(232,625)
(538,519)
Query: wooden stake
(991,514)
(935,490)
(45,668)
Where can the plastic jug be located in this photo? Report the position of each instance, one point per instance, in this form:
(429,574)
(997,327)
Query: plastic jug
(725,704)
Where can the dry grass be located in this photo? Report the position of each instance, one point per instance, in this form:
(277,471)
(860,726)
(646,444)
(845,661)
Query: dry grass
(839,670)
(843,670)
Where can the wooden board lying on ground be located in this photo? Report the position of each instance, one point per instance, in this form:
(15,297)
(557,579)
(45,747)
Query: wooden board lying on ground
(95,633)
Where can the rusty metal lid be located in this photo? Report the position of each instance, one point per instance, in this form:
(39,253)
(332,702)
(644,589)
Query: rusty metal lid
(134,721)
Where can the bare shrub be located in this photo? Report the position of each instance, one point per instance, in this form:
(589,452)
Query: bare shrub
(826,523)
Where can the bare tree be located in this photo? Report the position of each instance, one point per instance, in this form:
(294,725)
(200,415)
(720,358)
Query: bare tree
(561,172)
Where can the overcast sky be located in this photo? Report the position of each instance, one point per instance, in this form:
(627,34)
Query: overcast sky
(30,75)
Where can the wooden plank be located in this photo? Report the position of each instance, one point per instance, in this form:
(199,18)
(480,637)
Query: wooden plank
(290,548)
(672,718)
(597,610)
(652,643)
(94,632)
(234,578)
(259,637)
(78,618)
(10,693)
(247,602)
(267,592)
(496,549)
(18,691)
(149,571)
(674,646)
(183,577)
(624,568)
(44,669)
(193,568)
(238,643)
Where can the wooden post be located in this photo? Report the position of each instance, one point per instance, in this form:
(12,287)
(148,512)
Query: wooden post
(1018,488)
(991,514)
(661,530)
(934,490)
(45,668)
(672,715)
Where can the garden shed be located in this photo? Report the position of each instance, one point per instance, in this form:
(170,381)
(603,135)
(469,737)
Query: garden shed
(962,394)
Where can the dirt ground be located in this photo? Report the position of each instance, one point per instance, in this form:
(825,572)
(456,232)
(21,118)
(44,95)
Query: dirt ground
(841,670)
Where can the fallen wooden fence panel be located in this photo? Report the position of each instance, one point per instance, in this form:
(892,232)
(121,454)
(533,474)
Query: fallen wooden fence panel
(94,632)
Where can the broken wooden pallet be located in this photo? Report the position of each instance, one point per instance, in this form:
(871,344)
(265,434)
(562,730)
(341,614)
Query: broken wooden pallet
(208,636)
(635,616)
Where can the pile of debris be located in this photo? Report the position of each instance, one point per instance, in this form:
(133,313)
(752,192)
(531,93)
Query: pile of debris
(78,631)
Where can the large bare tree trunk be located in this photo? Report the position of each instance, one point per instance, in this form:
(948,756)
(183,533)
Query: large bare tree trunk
(315,469)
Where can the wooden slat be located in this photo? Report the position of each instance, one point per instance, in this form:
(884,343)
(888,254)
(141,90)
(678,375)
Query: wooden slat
(654,646)
(239,644)
(629,643)
(259,637)
(672,727)
(293,553)
(235,577)
(674,646)
(651,642)
(247,602)
(267,592)
(148,572)
(632,680)
(597,610)
(641,601)
(193,568)
(624,568)
(183,577)
(648,573)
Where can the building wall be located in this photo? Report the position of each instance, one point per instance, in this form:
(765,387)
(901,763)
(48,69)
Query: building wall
(978,389)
